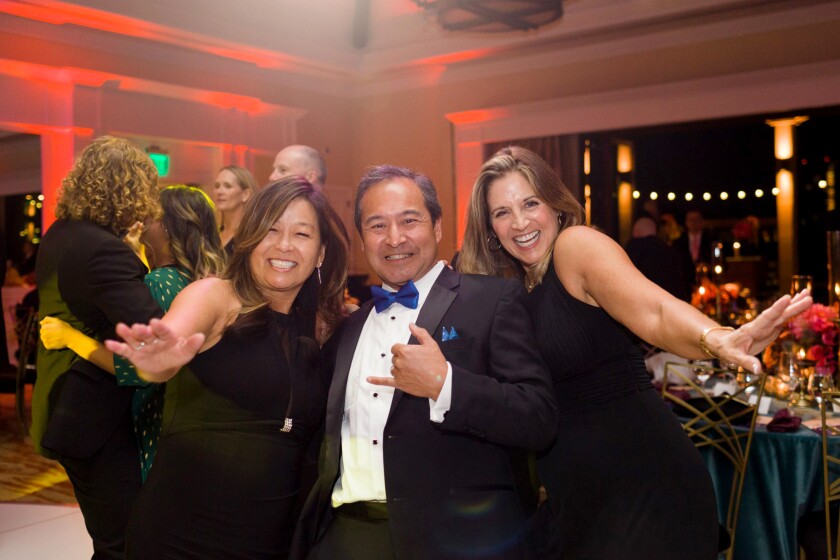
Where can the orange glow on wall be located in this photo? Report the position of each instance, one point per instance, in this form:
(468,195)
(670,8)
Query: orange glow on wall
(453,58)
(41,129)
(93,78)
(624,158)
(783,135)
(230,101)
(61,13)
(477,116)
(625,211)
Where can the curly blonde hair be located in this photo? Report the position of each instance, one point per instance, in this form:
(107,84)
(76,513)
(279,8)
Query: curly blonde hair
(113,184)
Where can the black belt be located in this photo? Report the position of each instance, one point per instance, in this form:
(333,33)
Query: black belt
(367,511)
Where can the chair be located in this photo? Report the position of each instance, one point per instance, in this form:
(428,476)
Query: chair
(815,529)
(725,424)
(27,332)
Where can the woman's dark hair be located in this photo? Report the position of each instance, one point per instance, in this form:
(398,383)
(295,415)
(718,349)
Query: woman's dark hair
(325,298)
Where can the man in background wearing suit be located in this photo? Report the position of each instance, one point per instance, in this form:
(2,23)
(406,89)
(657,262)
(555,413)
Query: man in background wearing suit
(694,245)
(434,382)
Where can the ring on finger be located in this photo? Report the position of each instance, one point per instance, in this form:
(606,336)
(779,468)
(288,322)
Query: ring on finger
(140,345)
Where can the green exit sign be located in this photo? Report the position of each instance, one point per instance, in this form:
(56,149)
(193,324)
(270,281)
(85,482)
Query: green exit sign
(161,161)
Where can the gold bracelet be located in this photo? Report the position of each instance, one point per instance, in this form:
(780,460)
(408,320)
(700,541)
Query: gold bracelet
(703,346)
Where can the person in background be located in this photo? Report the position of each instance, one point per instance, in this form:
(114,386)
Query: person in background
(181,247)
(233,188)
(240,417)
(435,382)
(301,161)
(659,263)
(26,266)
(623,480)
(669,229)
(90,279)
(694,244)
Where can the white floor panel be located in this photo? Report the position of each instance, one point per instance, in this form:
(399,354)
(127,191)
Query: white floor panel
(43,532)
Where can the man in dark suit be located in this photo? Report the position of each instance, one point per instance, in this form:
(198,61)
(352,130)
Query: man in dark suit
(89,278)
(435,381)
(694,245)
(659,263)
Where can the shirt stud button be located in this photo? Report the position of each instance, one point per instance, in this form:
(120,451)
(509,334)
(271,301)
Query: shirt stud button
(376,442)
(382,355)
(375,395)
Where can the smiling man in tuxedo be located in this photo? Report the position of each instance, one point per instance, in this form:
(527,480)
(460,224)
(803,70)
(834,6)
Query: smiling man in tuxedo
(435,381)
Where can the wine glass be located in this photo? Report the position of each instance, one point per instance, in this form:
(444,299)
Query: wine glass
(788,370)
(702,370)
(821,380)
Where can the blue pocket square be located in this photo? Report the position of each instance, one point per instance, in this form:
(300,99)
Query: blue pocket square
(448,335)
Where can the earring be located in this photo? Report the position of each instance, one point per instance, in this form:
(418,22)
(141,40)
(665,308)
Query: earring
(318,268)
(560,218)
(492,237)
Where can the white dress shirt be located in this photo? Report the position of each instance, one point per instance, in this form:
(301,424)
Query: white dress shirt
(366,406)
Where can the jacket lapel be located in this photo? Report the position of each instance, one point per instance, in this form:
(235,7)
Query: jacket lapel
(437,303)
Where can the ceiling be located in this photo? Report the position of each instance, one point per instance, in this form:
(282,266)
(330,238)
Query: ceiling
(362,42)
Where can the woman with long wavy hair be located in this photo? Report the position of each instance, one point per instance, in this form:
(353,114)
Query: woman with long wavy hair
(181,247)
(251,398)
(622,478)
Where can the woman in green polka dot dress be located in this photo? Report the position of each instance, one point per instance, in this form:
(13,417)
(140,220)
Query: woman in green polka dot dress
(183,246)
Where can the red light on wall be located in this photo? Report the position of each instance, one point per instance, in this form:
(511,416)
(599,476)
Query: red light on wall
(477,116)
(453,58)
(230,101)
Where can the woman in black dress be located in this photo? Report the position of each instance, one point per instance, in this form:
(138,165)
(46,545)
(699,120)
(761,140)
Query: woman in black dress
(622,479)
(239,418)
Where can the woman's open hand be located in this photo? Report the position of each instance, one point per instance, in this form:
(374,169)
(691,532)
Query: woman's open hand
(155,350)
(739,347)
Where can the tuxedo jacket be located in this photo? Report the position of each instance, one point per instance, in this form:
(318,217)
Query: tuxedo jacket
(89,278)
(451,490)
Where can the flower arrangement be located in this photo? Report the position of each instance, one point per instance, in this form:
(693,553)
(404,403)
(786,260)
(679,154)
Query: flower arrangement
(736,303)
(815,331)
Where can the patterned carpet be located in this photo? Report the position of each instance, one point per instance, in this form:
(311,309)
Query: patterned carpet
(25,476)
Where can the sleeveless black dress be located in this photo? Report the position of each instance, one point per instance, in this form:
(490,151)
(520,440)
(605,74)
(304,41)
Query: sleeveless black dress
(226,478)
(623,480)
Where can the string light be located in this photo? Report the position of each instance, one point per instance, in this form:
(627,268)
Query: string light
(707,196)
(823,184)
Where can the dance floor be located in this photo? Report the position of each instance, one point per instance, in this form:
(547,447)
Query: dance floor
(39,518)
